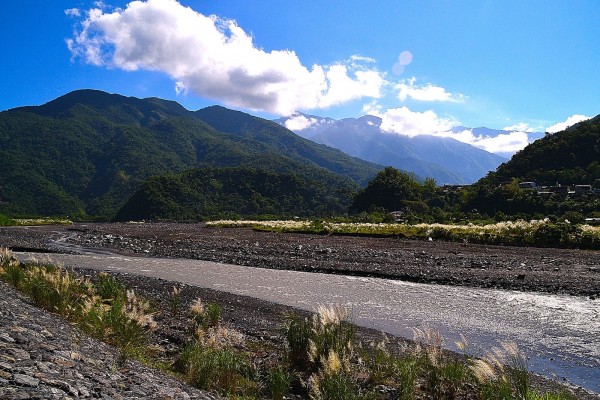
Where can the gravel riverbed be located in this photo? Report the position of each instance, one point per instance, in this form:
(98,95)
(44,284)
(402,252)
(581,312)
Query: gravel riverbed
(574,272)
(528,269)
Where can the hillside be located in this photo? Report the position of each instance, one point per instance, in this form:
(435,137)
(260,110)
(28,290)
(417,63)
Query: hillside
(282,140)
(446,160)
(566,159)
(229,192)
(87,152)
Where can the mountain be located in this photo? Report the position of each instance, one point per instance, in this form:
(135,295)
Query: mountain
(494,133)
(565,159)
(568,157)
(87,152)
(232,192)
(446,160)
(279,139)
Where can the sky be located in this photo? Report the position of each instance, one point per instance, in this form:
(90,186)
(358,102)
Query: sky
(423,66)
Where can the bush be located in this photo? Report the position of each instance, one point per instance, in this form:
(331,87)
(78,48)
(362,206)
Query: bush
(220,369)
(6,221)
(279,383)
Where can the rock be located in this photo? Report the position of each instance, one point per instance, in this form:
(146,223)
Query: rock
(73,366)
(26,380)
(5,337)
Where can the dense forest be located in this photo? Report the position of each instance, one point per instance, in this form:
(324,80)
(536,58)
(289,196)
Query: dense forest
(233,192)
(91,154)
(86,153)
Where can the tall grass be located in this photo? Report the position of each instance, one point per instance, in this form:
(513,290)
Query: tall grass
(105,309)
(210,361)
(539,233)
(323,359)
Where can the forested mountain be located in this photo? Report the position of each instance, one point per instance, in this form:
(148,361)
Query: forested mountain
(446,160)
(236,191)
(567,158)
(87,152)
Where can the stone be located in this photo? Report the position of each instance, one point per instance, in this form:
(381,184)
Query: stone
(5,337)
(26,380)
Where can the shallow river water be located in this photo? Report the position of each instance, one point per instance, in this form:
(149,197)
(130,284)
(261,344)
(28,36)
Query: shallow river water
(559,334)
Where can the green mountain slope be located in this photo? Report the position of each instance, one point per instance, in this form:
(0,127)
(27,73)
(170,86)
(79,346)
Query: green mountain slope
(570,157)
(234,191)
(87,152)
(280,139)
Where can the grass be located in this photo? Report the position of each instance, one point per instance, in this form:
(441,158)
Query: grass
(538,233)
(42,221)
(6,221)
(319,356)
(104,310)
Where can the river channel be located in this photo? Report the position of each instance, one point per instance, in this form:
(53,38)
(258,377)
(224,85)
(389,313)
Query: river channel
(559,334)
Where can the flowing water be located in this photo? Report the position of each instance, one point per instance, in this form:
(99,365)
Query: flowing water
(559,334)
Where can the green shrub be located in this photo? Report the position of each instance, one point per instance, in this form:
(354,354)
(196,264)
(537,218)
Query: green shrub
(205,316)
(6,221)
(10,268)
(279,382)
(297,335)
(213,314)
(109,288)
(220,369)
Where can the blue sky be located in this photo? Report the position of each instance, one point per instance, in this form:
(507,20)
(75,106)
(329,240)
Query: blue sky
(423,66)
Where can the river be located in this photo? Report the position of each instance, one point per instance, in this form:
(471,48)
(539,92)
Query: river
(559,334)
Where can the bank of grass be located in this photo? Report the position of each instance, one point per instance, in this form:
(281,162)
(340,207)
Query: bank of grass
(6,221)
(539,233)
(42,221)
(319,356)
(104,309)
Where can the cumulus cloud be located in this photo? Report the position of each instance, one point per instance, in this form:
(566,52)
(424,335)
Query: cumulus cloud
(428,92)
(520,127)
(406,122)
(300,122)
(561,126)
(215,58)
(508,142)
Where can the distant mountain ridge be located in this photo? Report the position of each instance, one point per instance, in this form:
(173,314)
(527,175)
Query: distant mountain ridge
(87,152)
(446,160)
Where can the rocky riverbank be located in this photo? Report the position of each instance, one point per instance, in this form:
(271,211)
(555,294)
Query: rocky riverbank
(574,272)
(44,357)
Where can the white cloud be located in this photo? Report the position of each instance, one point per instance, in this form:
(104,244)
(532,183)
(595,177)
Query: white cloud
(215,58)
(356,57)
(299,122)
(73,12)
(428,92)
(520,127)
(507,143)
(572,120)
(403,121)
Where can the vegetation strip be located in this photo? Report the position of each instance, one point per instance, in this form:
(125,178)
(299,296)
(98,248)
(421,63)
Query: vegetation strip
(539,233)
(321,357)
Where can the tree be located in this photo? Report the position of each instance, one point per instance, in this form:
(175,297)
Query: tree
(387,190)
